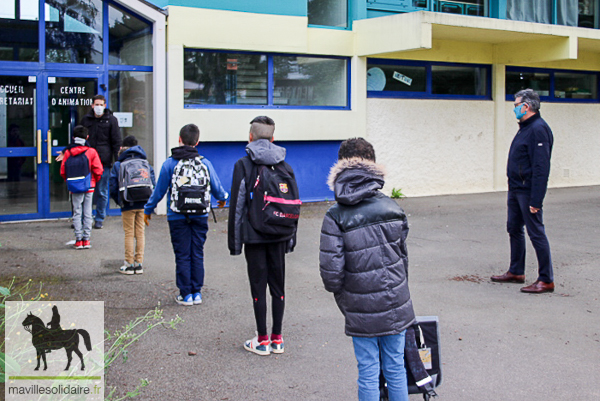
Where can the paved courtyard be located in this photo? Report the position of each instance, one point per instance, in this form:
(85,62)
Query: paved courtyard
(497,344)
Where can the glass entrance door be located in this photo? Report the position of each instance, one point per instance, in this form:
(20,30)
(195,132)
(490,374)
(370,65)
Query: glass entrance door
(37,117)
(20,147)
(69,99)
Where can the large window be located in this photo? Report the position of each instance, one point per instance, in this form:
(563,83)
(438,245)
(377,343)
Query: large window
(239,79)
(328,13)
(19,30)
(129,38)
(74,31)
(553,85)
(402,79)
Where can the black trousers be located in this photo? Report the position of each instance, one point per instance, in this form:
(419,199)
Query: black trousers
(266,266)
(519,217)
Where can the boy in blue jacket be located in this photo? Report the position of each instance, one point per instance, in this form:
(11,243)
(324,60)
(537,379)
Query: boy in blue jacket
(132,213)
(189,180)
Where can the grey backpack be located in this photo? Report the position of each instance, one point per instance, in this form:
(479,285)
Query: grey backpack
(135,180)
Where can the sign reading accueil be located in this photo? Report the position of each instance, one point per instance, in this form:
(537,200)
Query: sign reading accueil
(54,350)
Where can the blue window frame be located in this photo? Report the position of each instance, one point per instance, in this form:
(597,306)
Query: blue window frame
(464,7)
(237,79)
(566,86)
(428,80)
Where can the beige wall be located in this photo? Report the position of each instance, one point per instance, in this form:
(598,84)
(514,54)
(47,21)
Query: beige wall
(224,30)
(433,147)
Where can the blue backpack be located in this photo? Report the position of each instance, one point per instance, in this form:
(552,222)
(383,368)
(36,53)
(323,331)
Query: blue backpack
(79,176)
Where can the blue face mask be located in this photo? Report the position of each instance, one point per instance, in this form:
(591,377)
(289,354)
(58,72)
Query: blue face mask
(519,113)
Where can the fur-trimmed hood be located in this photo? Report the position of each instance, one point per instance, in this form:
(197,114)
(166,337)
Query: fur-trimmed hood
(355,179)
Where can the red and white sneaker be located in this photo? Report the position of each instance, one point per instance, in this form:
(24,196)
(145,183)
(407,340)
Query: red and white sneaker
(86,244)
(277,346)
(260,348)
(78,244)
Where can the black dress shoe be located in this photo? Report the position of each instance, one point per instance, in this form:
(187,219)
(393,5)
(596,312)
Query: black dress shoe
(539,287)
(508,277)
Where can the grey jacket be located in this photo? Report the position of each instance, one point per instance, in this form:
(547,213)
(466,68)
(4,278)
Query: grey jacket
(363,257)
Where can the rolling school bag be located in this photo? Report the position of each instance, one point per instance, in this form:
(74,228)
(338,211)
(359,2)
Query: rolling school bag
(422,359)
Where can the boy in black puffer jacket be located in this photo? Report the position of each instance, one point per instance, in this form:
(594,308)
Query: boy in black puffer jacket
(364,263)
(132,213)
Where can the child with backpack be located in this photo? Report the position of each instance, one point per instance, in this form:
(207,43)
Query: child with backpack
(131,184)
(263,216)
(189,180)
(81,168)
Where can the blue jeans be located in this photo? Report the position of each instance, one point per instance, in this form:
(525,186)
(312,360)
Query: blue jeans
(368,351)
(188,237)
(519,216)
(101,195)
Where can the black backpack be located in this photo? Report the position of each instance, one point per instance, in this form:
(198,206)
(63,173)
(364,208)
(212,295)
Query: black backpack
(274,201)
(79,176)
(135,180)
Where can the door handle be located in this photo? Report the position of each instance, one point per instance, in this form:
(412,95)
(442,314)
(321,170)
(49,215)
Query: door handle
(39,146)
(49,144)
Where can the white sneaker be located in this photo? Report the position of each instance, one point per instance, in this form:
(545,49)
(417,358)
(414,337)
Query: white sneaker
(260,348)
(197,298)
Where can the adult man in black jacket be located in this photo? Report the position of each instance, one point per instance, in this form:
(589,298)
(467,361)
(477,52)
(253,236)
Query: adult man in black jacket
(105,137)
(528,170)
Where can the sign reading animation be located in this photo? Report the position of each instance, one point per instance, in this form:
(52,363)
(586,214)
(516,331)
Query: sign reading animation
(71,96)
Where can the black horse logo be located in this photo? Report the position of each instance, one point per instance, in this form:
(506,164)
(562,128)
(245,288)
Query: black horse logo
(45,340)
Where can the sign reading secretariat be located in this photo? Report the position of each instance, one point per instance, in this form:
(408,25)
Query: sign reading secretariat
(14,95)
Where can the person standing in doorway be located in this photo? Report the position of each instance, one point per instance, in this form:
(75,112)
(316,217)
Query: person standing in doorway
(528,170)
(105,137)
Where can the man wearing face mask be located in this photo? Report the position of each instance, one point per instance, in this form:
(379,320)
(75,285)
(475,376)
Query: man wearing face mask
(528,170)
(105,137)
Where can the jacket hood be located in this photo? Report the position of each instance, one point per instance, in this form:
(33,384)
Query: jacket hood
(133,152)
(355,179)
(265,152)
(184,152)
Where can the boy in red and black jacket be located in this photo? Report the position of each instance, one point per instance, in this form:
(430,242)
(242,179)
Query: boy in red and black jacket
(82,201)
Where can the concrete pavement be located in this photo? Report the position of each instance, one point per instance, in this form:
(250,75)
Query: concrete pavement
(497,344)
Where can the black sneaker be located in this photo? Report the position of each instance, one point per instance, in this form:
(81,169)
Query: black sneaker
(138,268)
(127,269)
(98,224)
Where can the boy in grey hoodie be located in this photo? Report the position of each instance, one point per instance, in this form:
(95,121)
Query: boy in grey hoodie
(265,253)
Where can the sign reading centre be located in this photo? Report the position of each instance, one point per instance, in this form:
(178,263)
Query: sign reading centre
(67,99)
